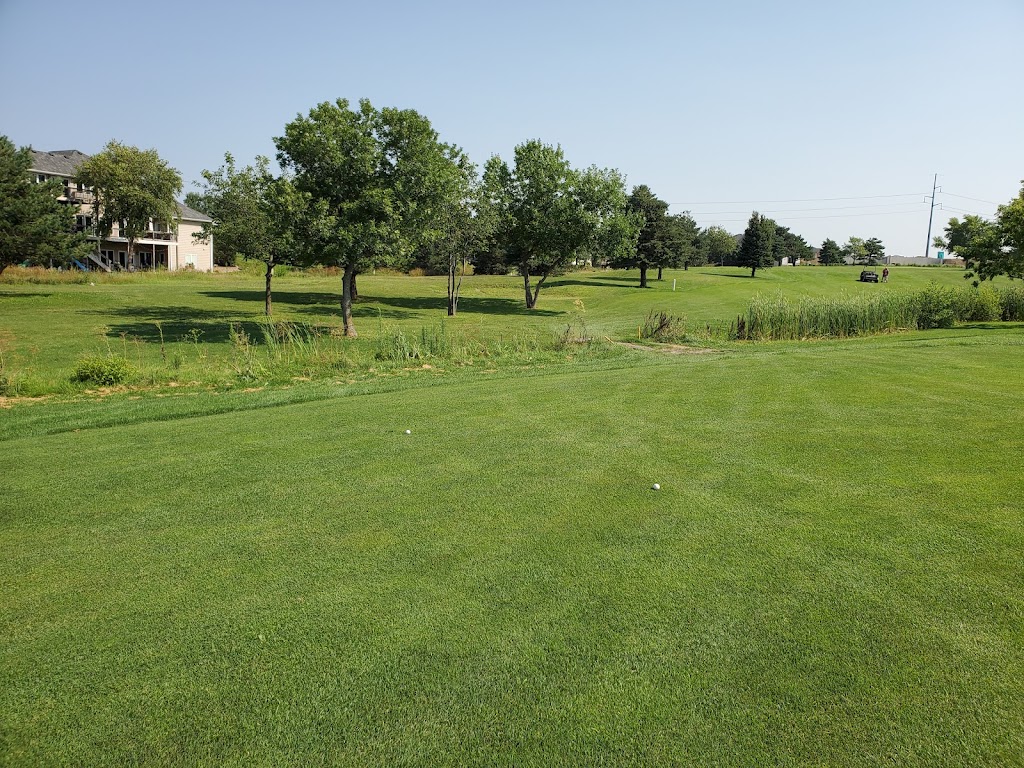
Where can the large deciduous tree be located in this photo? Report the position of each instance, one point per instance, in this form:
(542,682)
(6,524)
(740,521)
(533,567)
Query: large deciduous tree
(132,187)
(990,248)
(856,250)
(716,244)
(463,225)
(255,214)
(34,226)
(546,213)
(757,251)
(376,181)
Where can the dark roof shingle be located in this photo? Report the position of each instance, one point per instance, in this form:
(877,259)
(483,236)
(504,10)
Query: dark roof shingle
(64,162)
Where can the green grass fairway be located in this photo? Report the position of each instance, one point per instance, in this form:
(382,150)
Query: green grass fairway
(45,329)
(830,575)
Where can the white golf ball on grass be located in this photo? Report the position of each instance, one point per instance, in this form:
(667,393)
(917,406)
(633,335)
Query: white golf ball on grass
(408,431)
(656,487)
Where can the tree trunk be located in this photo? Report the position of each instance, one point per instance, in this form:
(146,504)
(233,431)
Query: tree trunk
(268,302)
(536,290)
(752,271)
(643,277)
(659,271)
(452,298)
(451,291)
(347,281)
(131,254)
(355,291)
(686,266)
(530,298)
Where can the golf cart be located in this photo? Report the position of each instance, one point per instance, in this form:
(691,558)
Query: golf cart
(868,276)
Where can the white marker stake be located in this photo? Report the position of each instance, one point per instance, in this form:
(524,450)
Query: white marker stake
(673,283)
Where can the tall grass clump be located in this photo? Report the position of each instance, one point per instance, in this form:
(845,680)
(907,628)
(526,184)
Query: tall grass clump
(976,305)
(776,317)
(1011,303)
(661,326)
(396,345)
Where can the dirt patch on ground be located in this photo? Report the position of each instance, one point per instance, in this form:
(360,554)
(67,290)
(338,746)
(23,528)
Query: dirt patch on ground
(10,402)
(667,349)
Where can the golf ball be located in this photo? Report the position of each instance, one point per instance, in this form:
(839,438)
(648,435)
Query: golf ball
(656,487)
(408,431)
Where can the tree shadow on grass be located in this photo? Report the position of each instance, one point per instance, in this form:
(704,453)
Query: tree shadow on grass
(467,304)
(598,282)
(5,295)
(194,331)
(176,324)
(292,298)
(389,307)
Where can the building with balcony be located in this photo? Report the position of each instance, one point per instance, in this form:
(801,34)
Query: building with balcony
(164,245)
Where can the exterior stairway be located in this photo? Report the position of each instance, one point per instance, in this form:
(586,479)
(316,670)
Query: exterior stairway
(101,262)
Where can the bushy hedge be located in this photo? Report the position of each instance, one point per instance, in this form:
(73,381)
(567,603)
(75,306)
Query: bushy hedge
(106,370)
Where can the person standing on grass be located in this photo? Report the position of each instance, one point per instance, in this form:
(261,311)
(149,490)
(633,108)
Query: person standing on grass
(885,275)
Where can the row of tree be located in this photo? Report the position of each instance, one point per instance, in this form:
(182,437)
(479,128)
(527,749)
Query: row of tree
(989,247)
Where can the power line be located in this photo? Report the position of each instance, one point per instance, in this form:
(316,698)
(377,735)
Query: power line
(836,216)
(975,199)
(945,207)
(801,199)
(830,208)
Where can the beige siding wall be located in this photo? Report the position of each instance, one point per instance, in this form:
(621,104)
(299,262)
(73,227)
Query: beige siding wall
(197,253)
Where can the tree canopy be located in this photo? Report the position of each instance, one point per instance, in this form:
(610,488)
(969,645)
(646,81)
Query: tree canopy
(132,187)
(757,250)
(990,248)
(546,212)
(716,245)
(830,253)
(789,247)
(34,226)
(255,214)
(376,180)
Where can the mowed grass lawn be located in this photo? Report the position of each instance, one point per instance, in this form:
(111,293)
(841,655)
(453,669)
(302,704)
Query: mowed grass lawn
(830,575)
(46,329)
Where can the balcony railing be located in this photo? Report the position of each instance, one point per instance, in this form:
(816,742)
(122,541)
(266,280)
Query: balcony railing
(79,195)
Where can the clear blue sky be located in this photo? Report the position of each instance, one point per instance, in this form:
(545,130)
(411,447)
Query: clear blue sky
(735,100)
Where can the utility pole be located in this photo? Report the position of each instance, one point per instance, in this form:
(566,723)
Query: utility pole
(931,213)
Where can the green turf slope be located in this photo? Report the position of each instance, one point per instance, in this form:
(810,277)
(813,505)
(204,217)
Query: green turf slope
(830,575)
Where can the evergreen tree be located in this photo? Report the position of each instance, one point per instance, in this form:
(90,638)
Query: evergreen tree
(650,251)
(830,253)
(875,251)
(790,247)
(757,251)
(34,226)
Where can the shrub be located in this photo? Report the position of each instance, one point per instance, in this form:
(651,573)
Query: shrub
(1011,303)
(108,370)
(935,307)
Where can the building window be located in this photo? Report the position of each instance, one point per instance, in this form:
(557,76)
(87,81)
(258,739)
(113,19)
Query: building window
(41,178)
